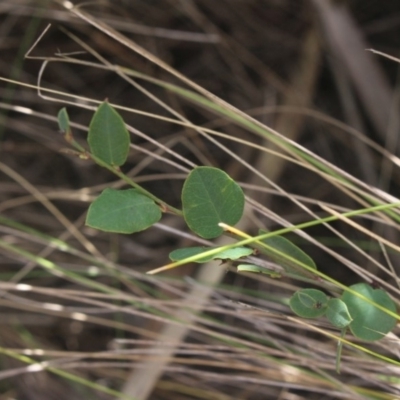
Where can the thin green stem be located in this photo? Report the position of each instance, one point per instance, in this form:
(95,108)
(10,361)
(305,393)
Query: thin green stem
(339,350)
(165,206)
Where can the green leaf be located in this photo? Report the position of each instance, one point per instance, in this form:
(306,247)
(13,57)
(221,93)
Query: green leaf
(234,253)
(210,196)
(258,269)
(230,254)
(309,303)
(122,211)
(285,246)
(369,322)
(181,254)
(338,313)
(108,137)
(63,120)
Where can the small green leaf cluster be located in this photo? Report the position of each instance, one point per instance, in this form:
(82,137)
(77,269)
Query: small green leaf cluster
(209,197)
(367,312)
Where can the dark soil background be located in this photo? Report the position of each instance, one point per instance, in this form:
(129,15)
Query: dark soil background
(288,63)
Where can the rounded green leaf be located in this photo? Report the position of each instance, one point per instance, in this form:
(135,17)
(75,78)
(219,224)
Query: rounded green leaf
(309,303)
(210,196)
(369,322)
(230,254)
(337,313)
(122,211)
(108,137)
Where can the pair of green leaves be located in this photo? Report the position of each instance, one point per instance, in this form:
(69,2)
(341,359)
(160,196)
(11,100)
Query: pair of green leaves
(209,195)
(356,309)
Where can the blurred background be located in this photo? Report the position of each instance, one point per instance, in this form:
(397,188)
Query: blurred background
(303,68)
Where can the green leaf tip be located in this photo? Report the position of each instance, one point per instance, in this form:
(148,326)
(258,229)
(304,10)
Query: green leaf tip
(63,120)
